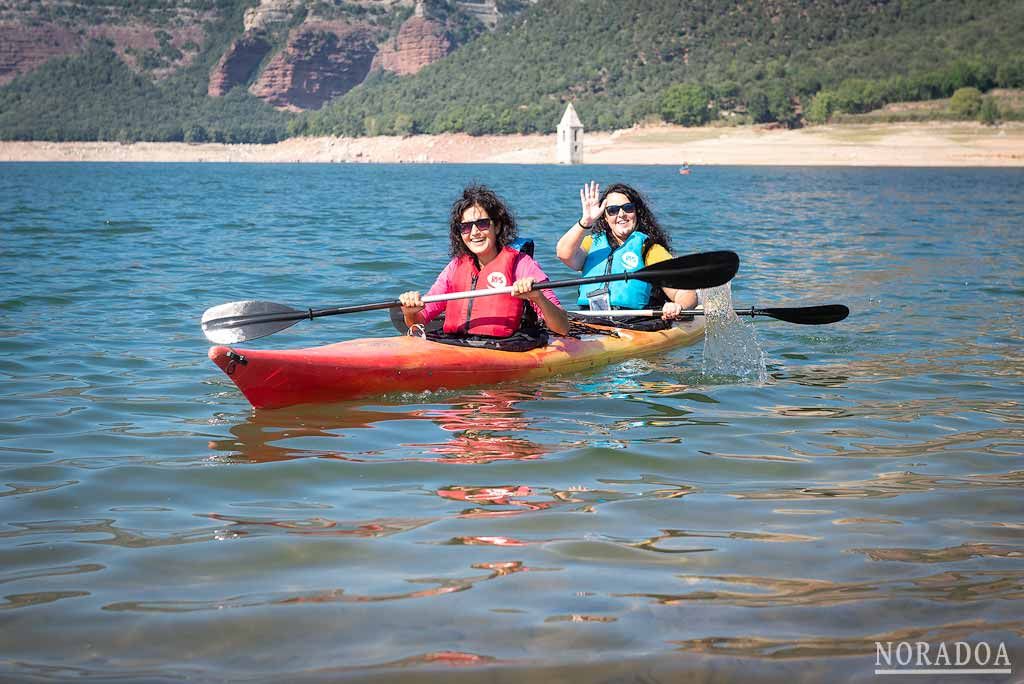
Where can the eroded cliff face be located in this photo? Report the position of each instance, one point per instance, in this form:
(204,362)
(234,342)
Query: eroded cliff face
(322,59)
(270,15)
(319,62)
(23,48)
(420,41)
(238,64)
(154,49)
(316,50)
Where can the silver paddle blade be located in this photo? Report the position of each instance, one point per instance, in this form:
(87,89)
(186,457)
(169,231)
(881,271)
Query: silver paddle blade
(240,321)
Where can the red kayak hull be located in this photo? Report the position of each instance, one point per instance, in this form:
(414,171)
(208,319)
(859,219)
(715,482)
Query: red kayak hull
(366,367)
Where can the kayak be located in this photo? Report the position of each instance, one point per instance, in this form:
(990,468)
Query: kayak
(364,367)
(370,366)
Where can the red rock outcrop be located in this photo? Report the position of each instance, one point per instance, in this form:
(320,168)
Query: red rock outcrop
(23,48)
(419,42)
(320,62)
(238,64)
(133,40)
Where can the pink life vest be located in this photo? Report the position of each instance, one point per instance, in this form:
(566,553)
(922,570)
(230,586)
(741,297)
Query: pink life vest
(495,316)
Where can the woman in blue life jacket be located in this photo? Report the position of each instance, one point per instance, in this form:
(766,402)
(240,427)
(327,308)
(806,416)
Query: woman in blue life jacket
(481,231)
(618,233)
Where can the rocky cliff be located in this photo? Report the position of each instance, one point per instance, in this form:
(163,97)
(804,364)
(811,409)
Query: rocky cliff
(151,48)
(239,64)
(23,48)
(419,42)
(270,15)
(319,62)
(296,54)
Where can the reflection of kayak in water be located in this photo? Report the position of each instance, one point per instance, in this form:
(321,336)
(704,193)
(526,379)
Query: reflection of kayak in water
(364,367)
(468,422)
(490,495)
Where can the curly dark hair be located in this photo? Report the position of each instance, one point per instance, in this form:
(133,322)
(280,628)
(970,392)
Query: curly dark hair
(645,221)
(504,222)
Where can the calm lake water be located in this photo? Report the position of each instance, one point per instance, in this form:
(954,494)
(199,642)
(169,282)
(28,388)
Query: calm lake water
(644,523)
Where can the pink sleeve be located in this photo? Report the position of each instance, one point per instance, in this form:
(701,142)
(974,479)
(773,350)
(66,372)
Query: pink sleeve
(526,267)
(443,285)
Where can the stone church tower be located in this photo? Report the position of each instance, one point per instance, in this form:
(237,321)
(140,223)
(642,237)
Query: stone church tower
(570,138)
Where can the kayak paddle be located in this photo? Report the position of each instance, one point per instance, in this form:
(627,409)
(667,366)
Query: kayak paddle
(802,315)
(248,320)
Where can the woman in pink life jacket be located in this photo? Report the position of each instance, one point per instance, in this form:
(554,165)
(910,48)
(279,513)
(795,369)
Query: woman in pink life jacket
(481,230)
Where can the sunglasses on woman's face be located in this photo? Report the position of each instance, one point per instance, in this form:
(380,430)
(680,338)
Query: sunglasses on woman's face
(482,225)
(613,209)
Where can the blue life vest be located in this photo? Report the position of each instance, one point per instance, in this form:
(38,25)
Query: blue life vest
(603,260)
(524,245)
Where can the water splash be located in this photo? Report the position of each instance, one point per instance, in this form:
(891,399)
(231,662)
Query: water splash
(731,350)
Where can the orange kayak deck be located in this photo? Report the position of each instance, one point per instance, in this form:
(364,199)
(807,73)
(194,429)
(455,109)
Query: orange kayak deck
(370,366)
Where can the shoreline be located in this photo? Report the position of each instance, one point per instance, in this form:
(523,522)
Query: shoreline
(933,144)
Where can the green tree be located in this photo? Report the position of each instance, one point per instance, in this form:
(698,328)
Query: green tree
(686,104)
(989,113)
(822,107)
(857,95)
(195,134)
(1010,74)
(757,106)
(404,125)
(966,102)
(780,106)
(970,72)
(726,94)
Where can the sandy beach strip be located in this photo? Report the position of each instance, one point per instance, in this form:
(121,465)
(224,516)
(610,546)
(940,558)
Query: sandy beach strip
(919,144)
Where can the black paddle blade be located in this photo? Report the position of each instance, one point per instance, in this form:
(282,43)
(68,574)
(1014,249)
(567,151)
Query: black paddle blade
(248,320)
(398,320)
(807,315)
(693,271)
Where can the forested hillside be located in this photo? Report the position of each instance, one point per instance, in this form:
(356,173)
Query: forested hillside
(207,70)
(620,62)
(97,96)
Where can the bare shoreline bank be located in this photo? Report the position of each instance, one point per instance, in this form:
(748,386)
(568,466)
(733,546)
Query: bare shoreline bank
(910,145)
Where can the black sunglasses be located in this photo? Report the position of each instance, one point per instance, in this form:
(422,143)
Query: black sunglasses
(613,209)
(481,225)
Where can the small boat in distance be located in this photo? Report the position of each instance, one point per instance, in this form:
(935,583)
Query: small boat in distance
(684,169)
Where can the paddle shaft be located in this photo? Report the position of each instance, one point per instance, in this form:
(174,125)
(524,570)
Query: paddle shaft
(622,313)
(231,321)
(248,320)
(804,315)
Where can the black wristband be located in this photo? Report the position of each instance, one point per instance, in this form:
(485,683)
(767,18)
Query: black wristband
(580,224)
